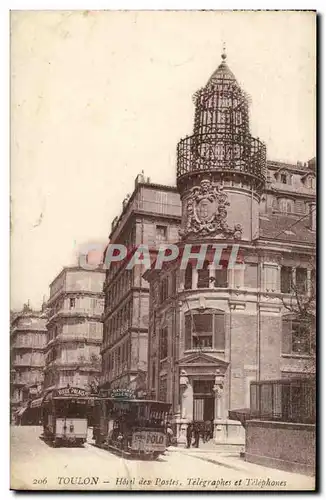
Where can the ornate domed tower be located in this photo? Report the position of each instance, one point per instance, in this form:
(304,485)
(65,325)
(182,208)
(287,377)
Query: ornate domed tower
(221,168)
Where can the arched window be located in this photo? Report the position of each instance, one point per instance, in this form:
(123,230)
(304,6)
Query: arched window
(286,205)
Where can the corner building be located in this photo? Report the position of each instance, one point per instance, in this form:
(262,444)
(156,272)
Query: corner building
(150,216)
(213,331)
(75,330)
(28,341)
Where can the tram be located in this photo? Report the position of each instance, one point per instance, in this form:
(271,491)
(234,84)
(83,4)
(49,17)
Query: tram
(64,415)
(133,427)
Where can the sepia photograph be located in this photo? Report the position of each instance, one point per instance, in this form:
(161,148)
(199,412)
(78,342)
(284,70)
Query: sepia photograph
(163,181)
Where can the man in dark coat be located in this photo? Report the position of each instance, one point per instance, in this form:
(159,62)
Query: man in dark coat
(196,435)
(189,434)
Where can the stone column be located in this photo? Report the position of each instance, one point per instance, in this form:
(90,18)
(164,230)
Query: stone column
(186,393)
(194,281)
(181,280)
(219,422)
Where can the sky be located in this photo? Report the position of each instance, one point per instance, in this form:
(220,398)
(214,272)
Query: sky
(97,97)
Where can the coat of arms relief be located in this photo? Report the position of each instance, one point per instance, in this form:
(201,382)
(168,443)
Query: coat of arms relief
(206,213)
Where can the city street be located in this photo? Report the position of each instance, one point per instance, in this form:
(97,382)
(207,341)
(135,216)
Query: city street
(36,465)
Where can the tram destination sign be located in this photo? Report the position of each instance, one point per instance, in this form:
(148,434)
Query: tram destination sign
(71,391)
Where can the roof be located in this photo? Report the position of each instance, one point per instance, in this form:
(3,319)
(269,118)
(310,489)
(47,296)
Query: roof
(289,228)
(134,401)
(223,72)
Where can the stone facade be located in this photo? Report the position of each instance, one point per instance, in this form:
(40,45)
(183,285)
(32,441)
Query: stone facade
(75,330)
(213,331)
(150,216)
(28,340)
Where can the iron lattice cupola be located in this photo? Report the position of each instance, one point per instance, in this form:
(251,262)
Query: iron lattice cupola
(221,151)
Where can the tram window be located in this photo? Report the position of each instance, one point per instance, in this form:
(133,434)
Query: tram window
(71,409)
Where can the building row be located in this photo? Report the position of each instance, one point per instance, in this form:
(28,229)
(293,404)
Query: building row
(193,337)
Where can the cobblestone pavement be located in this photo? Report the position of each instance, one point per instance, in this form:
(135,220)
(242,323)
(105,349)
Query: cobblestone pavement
(36,465)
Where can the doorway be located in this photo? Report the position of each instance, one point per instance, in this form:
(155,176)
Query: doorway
(203,400)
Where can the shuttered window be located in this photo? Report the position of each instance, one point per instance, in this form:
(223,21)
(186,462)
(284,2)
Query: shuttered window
(300,207)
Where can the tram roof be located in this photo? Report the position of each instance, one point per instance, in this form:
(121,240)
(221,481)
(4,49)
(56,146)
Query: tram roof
(136,401)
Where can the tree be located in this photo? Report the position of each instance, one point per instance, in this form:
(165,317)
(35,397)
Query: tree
(301,304)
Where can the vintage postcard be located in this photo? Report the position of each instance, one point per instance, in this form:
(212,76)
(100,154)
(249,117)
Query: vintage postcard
(163,250)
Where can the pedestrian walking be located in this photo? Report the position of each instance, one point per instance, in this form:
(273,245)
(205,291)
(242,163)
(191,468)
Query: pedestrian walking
(169,434)
(189,434)
(196,435)
(207,431)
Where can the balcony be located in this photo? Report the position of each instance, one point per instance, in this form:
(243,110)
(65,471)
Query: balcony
(77,312)
(79,337)
(28,363)
(245,155)
(29,347)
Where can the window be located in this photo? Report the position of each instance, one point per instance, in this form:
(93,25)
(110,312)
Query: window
(174,282)
(310,182)
(286,279)
(161,234)
(204,330)
(283,178)
(72,303)
(301,279)
(153,375)
(313,282)
(297,336)
(164,343)
(300,207)
(203,276)
(164,289)
(188,277)
(221,278)
(163,389)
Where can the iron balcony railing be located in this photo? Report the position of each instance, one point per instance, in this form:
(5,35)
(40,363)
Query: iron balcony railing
(217,151)
(285,400)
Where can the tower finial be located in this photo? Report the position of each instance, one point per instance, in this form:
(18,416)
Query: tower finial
(224,52)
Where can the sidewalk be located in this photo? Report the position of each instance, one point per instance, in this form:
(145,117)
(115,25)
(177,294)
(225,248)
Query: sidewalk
(210,447)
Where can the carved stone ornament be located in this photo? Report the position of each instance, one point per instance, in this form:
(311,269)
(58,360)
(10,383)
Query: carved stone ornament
(206,213)
(184,381)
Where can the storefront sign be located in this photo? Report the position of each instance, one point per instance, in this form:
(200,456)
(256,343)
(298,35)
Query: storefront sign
(122,394)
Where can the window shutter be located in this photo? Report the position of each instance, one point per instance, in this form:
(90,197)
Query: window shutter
(188,320)
(286,336)
(219,332)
